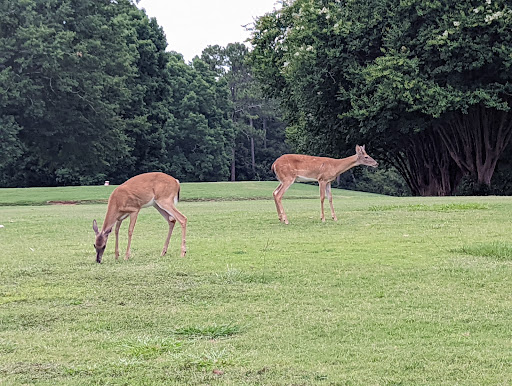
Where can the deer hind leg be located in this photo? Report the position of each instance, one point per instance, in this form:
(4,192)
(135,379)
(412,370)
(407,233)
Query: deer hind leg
(278,196)
(172,221)
(275,194)
(329,196)
(323,188)
(168,206)
(133,220)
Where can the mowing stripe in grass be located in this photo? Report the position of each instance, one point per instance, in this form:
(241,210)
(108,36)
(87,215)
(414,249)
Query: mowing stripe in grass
(496,250)
(430,208)
(213,331)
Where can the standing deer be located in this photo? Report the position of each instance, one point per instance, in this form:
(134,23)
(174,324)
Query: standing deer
(149,189)
(297,167)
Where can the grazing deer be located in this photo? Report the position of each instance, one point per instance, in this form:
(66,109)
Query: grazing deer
(297,167)
(149,189)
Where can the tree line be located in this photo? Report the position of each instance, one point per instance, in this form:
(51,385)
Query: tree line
(89,93)
(426,84)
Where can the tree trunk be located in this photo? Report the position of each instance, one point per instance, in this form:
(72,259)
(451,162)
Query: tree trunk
(253,158)
(233,164)
(476,140)
(426,166)
(264,133)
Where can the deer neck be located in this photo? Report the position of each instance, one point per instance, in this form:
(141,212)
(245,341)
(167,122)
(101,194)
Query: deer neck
(344,164)
(111,217)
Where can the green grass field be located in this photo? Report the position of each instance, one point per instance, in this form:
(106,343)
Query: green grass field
(409,291)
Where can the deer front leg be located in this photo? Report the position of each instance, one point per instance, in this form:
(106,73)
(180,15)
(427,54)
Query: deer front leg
(118,226)
(329,196)
(133,220)
(322,185)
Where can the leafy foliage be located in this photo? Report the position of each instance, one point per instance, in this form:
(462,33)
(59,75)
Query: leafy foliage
(64,69)
(424,84)
(200,130)
(88,92)
(259,131)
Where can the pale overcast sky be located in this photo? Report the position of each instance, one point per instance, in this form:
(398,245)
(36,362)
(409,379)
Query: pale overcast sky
(190,26)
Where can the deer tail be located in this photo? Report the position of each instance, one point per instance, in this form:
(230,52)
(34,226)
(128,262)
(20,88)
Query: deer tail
(177,197)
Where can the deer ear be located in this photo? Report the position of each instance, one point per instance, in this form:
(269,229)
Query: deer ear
(95,226)
(107,231)
(358,149)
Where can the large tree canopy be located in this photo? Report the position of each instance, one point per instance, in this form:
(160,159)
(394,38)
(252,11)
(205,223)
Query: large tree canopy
(427,84)
(200,130)
(88,92)
(64,68)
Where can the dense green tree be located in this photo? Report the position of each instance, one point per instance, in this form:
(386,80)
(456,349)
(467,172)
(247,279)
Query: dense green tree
(88,92)
(148,110)
(296,66)
(425,83)
(259,133)
(64,67)
(11,149)
(200,131)
(446,72)
(180,113)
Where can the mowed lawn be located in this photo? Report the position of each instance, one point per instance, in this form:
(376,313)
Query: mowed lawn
(412,291)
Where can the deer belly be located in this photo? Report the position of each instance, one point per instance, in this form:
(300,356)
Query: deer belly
(150,203)
(305,179)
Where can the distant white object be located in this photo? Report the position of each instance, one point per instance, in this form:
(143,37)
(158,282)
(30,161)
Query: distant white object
(1,226)
(107,183)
